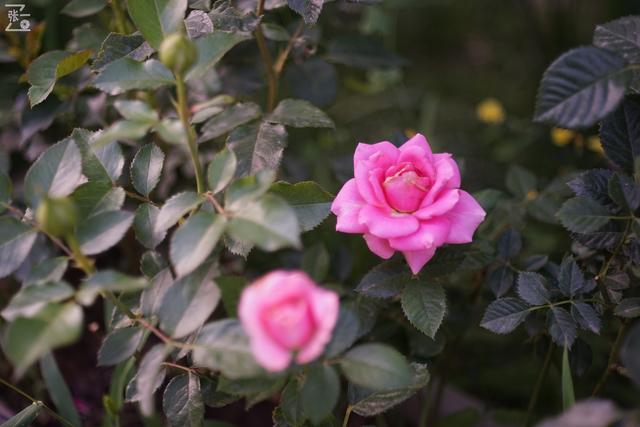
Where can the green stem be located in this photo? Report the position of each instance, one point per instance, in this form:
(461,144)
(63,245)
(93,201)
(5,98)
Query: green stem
(84,263)
(272,78)
(538,385)
(26,396)
(120,19)
(347,414)
(613,357)
(183,112)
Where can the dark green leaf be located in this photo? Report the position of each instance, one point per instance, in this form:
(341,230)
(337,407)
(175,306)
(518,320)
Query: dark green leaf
(501,280)
(581,87)
(247,189)
(221,170)
(189,301)
(424,304)
(148,379)
(275,32)
(182,401)
(311,203)
(27,339)
(119,345)
(176,207)
(100,232)
(532,288)
(231,288)
(629,353)
(46,69)
(315,262)
(300,114)
(211,48)
(291,404)
(157,18)
(194,240)
(319,393)
(509,244)
(568,396)
(563,327)
(49,270)
(16,241)
(314,80)
(117,46)
(308,9)
(228,120)
(625,192)
(136,110)
(620,135)
(586,316)
(257,147)
(621,36)
(629,308)
(151,297)
(126,74)
(108,280)
(504,315)
(582,215)
(362,52)
(570,278)
(58,389)
(144,225)
(151,263)
(345,333)
(386,280)
(30,300)
(146,168)
(376,366)
(5,190)
(82,8)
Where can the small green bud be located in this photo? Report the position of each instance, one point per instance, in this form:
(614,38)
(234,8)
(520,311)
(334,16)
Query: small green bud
(178,52)
(57,216)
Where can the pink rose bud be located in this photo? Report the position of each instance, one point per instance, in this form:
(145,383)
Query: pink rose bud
(406,199)
(287,315)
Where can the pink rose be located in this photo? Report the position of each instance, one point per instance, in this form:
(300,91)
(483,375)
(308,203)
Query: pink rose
(406,199)
(285,314)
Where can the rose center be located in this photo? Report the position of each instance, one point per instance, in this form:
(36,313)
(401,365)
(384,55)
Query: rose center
(290,323)
(405,190)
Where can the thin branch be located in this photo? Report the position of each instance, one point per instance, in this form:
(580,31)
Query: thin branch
(136,196)
(211,198)
(282,58)
(183,112)
(538,386)
(613,358)
(28,397)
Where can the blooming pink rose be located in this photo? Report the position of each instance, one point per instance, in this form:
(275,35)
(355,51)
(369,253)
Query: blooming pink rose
(406,199)
(285,314)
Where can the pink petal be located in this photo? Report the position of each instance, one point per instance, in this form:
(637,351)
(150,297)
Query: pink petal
(325,306)
(346,206)
(417,259)
(447,177)
(365,151)
(419,158)
(379,246)
(418,140)
(465,217)
(387,224)
(443,204)
(431,233)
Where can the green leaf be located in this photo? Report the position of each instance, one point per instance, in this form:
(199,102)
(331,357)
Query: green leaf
(345,333)
(92,167)
(56,173)
(111,157)
(171,131)
(424,304)
(581,87)
(146,168)
(568,396)
(176,207)
(27,339)
(275,32)
(102,231)
(504,315)
(29,301)
(269,223)
(182,401)
(58,389)
(621,36)
(369,403)
(25,417)
(629,353)
(621,137)
(211,48)
(151,297)
(291,404)
(563,327)
(83,8)
(520,181)
(376,366)
(386,280)
(532,288)
(119,345)
(121,375)
(117,46)
(570,278)
(582,215)
(121,130)
(46,69)
(257,147)
(509,245)
(144,225)
(126,74)
(311,203)
(628,308)
(300,114)
(5,190)
(586,316)
(136,110)
(362,52)
(148,379)
(194,240)
(315,262)
(308,9)
(108,280)
(247,189)
(49,270)
(624,192)
(231,288)
(221,170)
(156,19)
(16,241)
(223,345)
(319,393)
(228,120)
(151,263)
(93,198)
(189,301)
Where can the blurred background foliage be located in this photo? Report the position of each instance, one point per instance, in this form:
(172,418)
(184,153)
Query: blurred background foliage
(463,73)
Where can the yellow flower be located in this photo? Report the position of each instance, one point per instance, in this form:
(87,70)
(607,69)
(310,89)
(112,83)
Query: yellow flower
(562,137)
(594,144)
(490,111)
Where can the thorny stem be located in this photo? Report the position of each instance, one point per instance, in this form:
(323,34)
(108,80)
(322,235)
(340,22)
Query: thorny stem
(28,397)
(538,385)
(183,112)
(613,357)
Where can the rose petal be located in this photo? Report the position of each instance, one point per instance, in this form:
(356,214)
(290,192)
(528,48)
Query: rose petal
(387,224)
(443,204)
(346,206)
(379,246)
(325,306)
(447,177)
(418,140)
(465,217)
(417,259)
(431,233)
(365,151)
(419,159)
